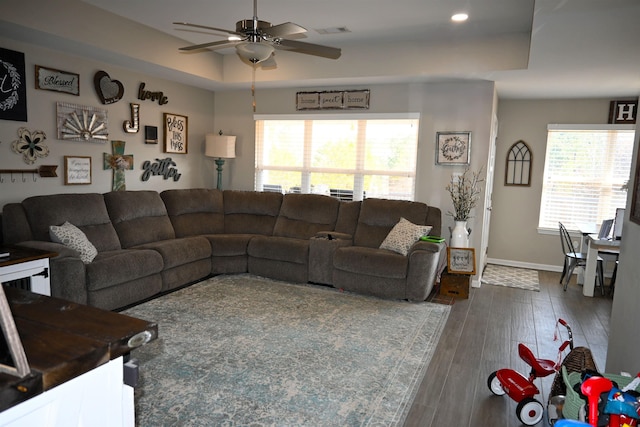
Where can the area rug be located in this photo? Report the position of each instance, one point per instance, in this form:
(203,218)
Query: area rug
(521,278)
(243,350)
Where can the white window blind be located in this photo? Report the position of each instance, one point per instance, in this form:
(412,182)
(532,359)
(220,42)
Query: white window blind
(349,158)
(585,170)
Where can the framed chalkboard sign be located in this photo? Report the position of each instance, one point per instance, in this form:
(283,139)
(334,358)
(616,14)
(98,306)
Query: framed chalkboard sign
(175,133)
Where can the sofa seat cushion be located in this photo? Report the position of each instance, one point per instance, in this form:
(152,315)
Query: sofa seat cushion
(371,262)
(229,244)
(176,252)
(112,268)
(279,249)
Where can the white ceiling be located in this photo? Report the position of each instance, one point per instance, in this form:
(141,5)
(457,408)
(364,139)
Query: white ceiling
(571,49)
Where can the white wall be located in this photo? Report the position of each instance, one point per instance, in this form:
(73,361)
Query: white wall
(624,346)
(196,104)
(442,106)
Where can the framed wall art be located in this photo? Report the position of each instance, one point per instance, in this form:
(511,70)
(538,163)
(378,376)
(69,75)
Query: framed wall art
(461,260)
(176,129)
(13,96)
(519,162)
(57,80)
(453,148)
(81,123)
(77,170)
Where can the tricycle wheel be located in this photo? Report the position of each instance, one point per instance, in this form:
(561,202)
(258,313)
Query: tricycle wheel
(529,411)
(494,384)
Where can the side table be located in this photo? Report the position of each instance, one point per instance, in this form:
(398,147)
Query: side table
(26,269)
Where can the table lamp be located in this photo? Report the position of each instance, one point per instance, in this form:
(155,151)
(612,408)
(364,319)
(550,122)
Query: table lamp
(222,147)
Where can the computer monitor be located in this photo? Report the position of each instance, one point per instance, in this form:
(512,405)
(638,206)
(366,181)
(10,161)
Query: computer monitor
(605,229)
(617,224)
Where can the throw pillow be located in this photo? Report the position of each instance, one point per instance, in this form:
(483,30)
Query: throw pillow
(403,235)
(72,237)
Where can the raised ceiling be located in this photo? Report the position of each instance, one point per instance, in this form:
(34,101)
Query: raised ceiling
(531,49)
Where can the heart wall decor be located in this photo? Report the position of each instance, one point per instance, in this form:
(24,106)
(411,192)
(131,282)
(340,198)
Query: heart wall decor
(108,90)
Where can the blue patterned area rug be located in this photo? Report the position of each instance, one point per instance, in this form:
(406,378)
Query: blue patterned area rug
(243,350)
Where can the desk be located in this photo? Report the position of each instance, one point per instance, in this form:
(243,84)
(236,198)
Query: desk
(595,245)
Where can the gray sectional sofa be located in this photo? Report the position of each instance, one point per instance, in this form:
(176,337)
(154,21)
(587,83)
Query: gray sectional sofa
(149,243)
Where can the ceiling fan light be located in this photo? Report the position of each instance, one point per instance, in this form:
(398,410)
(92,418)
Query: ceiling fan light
(254,52)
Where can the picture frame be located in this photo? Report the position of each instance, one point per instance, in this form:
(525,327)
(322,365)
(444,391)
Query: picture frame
(176,128)
(461,260)
(453,148)
(57,80)
(77,170)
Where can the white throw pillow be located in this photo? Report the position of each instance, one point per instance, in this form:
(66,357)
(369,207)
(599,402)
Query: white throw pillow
(72,237)
(403,235)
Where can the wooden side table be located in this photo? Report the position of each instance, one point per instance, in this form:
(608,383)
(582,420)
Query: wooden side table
(455,285)
(26,269)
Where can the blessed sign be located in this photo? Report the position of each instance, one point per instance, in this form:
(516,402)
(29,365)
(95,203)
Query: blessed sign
(56,80)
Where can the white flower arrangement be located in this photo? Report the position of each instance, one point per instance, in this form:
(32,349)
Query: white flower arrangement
(464,191)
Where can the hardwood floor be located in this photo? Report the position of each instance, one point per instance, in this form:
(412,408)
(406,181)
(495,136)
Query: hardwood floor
(482,335)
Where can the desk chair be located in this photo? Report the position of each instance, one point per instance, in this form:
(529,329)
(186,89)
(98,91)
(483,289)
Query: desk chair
(573,259)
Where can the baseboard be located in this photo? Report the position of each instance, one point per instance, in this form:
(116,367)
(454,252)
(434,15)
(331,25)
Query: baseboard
(529,265)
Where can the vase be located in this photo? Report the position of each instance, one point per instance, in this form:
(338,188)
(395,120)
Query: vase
(460,235)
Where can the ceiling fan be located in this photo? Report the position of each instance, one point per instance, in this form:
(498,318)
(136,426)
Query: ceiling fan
(255,40)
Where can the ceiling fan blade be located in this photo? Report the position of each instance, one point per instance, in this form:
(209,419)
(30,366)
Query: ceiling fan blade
(205,27)
(285,29)
(215,45)
(309,48)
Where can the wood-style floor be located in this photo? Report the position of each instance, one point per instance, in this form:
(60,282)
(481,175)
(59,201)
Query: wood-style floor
(481,336)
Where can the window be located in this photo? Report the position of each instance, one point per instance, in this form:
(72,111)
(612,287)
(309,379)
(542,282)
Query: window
(350,157)
(584,172)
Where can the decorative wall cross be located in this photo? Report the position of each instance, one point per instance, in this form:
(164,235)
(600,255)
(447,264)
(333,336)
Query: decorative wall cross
(119,162)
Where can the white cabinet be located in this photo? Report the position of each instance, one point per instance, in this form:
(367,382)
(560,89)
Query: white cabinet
(35,272)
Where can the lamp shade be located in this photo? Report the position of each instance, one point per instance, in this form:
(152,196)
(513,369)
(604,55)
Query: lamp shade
(221,146)
(254,52)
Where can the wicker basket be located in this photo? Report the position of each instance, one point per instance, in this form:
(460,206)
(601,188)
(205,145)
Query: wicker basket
(573,402)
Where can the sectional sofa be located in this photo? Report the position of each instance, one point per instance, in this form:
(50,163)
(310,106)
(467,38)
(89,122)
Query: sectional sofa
(145,243)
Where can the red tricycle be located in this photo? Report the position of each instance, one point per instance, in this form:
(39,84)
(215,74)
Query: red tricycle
(521,388)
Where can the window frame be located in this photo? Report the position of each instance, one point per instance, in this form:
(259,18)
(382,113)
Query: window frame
(577,128)
(360,172)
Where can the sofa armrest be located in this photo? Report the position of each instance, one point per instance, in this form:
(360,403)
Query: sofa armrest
(60,249)
(425,261)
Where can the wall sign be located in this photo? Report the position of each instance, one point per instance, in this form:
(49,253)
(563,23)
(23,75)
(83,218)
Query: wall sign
(333,100)
(453,148)
(13,90)
(623,111)
(77,170)
(175,133)
(58,81)
(152,96)
(160,167)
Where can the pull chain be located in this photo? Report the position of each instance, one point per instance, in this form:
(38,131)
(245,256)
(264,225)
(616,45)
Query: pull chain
(253,88)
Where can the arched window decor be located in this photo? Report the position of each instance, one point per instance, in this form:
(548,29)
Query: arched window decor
(518,170)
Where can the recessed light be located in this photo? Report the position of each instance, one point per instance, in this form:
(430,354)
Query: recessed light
(459,17)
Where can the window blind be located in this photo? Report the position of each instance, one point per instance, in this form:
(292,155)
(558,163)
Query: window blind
(585,170)
(349,158)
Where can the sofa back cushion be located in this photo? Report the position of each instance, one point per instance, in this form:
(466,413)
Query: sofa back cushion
(348,217)
(379,216)
(194,211)
(86,211)
(303,215)
(250,212)
(139,217)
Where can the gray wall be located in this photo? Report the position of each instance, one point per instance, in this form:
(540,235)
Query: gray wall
(514,237)
(196,104)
